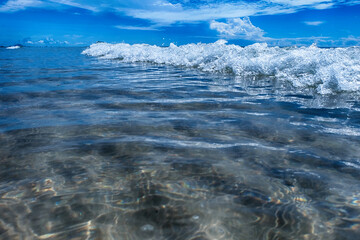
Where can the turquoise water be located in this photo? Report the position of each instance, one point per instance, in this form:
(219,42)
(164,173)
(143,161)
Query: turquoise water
(103,149)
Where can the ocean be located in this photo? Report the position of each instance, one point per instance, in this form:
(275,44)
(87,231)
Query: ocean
(200,141)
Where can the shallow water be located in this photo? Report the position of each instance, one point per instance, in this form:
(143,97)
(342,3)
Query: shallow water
(101,149)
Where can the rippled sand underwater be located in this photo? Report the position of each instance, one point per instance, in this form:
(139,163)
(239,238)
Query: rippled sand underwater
(99,149)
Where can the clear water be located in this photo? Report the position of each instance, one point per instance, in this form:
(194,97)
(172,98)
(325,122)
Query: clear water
(101,149)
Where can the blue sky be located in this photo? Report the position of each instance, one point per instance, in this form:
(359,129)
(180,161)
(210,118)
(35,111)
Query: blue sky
(161,22)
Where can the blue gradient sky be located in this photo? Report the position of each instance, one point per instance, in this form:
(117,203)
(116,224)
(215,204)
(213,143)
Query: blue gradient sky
(161,22)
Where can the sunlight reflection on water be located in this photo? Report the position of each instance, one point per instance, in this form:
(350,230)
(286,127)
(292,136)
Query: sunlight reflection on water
(95,149)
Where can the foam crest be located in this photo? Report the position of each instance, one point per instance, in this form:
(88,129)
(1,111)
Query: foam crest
(328,71)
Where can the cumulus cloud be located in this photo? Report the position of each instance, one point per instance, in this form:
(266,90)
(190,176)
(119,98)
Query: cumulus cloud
(238,28)
(313,23)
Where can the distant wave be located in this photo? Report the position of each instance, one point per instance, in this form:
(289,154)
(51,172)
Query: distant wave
(326,70)
(13,47)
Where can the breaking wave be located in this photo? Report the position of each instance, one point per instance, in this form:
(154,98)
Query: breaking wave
(327,70)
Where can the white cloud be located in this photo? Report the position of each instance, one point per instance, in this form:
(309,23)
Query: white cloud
(238,28)
(167,12)
(16,5)
(151,28)
(324,6)
(46,41)
(350,40)
(243,29)
(73,36)
(313,23)
(75,4)
(204,13)
(206,10)
(300,2)
(167,4)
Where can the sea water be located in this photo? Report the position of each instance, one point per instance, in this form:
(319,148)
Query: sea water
(201,141)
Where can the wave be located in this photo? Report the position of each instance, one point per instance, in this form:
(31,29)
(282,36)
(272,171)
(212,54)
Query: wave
(327,70)
(13,47)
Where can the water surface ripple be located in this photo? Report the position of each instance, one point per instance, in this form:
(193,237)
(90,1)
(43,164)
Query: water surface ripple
(98,149)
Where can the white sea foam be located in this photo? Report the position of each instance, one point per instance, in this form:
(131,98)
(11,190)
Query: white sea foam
(13,47)
(326,70)
(348,131)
